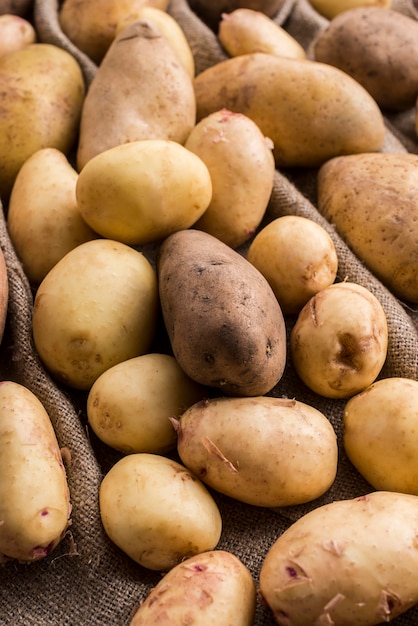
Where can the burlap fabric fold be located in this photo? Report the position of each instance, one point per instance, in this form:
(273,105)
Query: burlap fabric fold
(87,580)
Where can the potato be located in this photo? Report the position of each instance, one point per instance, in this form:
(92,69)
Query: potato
(297,257)
(331,8)
(348,562)
(142,191)
(55,99)
(140,91)
(241,167)
(244,31)
(311,111)
(157,512)
(211,10)
(131,405)
(380,434)
(339,342)
(378,47)
(91,25)
(263,451)
(97,307)
(43,218)
(214,587)
(15,33)
(4,293)
(34,496)
(371,200)
(223,320)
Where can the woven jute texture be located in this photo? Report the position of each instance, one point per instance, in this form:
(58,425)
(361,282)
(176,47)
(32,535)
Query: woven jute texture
(87,580)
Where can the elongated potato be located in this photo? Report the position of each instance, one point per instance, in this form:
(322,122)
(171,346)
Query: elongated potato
(348,562)
(34,496)
(214,587)
(264,451)
(311,111)
(223,320)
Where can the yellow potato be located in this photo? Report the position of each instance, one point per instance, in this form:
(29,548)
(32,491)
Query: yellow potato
(157,512)
(97,307)
(15,33)
(311,111)
(43,219)
(297,257)
(34,496)
(332,8)
(381,434)
(264,451)
(245,31)
(142,191)
(214,587)
(241,167)
(131,405)
(339,342)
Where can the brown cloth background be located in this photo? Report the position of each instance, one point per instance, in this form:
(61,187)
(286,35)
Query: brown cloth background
(87,580)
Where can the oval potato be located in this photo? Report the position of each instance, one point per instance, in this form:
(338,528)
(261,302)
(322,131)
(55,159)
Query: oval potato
(332,8)
(157,512)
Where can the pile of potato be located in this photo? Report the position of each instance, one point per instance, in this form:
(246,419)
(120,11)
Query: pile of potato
(163,292)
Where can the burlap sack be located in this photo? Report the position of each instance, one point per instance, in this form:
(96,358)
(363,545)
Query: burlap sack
(87,580)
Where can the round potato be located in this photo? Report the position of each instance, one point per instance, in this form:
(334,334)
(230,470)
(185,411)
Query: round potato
(381,434)
(157,512)
(241,166)
(97,307)
(332,8)
(339,342)
(297,257)
(142,191)
(264,451)
(131,405)
(16,32)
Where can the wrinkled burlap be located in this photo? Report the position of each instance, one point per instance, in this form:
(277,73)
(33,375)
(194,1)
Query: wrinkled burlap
(87,580)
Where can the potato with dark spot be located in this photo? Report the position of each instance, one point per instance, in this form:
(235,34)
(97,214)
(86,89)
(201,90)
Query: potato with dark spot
(223,320)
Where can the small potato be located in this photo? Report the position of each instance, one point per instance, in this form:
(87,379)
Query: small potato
(297,257)
(34,496)
(157,512)
(339,342)
(214,587)
(241,166)
(245,31)
(130,406)
(15,33)
(332,8)
(97,307)
(264,451)
(381,434)
(142,191)
(344,563)
(43,218)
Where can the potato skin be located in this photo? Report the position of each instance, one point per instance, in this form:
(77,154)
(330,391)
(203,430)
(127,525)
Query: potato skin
(378,47)
(371,200)
(214,587)
(34,496)
(311,111)
(264,451)
(332,8)
(211,10)
(340,563)
(223,320)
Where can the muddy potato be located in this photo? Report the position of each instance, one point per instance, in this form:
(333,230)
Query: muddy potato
(331,8)
(245,31)
(340,563)
(157,512)
(211,10)
(311,111)
(263,451)
(371,200)
(15,33)
(241,166)
(131,405)
(297,257)
(141,90)
(34,496)
(339,342)
(223,320)
(95,308)
(381,434)
(142,191)
(43,218)
(378,47)
(214,587)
